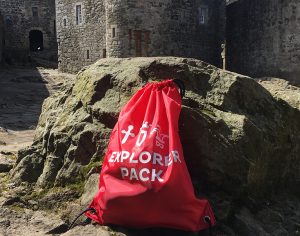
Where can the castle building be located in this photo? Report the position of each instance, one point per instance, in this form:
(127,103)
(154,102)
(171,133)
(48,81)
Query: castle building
(29,29)
(91,29)
(263,38)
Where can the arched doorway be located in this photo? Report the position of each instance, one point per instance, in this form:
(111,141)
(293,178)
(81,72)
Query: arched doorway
(36,41)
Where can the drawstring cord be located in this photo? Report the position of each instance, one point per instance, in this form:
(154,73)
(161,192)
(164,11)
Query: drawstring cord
(208,221)
(181,86)
(92,210)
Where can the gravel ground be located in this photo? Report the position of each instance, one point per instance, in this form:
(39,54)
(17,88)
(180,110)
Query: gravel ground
(22,92)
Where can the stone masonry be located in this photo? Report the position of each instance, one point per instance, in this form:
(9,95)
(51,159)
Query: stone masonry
(1,37)
(263,38)
(26,22)
(80,43)
(91,29)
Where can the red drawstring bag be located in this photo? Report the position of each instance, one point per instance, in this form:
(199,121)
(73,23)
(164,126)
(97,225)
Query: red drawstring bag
(144,180)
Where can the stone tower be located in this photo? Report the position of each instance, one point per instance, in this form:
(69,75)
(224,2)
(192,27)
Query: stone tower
(263,38)
(165,28)
(29,28)
(81,33)
(92,29)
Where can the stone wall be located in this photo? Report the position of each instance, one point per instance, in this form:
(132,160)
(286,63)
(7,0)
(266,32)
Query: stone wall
(165,28)
(83,43)
(131,28)
(263,38)
(1,37)
(19,21)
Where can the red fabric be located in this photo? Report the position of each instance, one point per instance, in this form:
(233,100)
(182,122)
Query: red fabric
(144,180)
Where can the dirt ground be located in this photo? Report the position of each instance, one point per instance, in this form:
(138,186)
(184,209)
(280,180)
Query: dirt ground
(22,92)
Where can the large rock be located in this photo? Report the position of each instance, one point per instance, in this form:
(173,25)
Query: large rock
(236,136)
(6,163)
(241,140)
(282,90)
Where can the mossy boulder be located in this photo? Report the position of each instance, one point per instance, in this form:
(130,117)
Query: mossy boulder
(235,134)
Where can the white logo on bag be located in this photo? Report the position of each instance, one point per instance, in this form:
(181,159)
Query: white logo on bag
(128,133)
(143,134)
(160,138)
(145,157)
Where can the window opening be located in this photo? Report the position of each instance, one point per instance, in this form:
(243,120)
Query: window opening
(35,12)
(78,15)
(203,15)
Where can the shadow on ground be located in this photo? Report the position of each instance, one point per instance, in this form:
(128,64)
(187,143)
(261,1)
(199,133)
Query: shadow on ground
(158,232)
(22,92)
